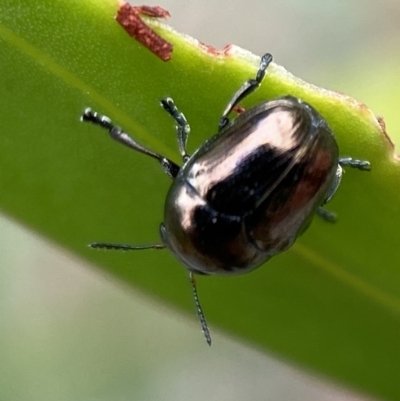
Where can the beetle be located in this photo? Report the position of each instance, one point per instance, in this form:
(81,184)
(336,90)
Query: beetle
(250,190)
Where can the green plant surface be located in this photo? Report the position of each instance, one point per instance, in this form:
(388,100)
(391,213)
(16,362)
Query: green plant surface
(330,304)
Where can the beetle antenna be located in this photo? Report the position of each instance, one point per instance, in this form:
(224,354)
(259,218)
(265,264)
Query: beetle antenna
(199,310)
(124,247)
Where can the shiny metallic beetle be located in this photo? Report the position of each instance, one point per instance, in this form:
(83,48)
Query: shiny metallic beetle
(250,190)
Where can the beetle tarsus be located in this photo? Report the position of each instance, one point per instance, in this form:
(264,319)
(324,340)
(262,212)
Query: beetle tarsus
(362,165)
(248,87)
(265,62)
(326,215)
(95,118)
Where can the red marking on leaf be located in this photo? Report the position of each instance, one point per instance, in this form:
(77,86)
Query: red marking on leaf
(129,18)
(382,124)
(216,52)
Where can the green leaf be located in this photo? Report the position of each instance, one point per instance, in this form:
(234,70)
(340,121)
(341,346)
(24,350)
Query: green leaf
(330,304)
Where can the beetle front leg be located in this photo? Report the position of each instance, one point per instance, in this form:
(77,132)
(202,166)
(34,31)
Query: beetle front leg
(169,167)
(248,87)
(182,126)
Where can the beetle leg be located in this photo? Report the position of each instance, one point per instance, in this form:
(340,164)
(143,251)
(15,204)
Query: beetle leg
(362,165)
(182,126)
(124,247)
(335,185)
(199,309)
(248,87)
(164,237)
(326,215)
(169,167)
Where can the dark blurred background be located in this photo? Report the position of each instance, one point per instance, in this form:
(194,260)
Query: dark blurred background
(69,333)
